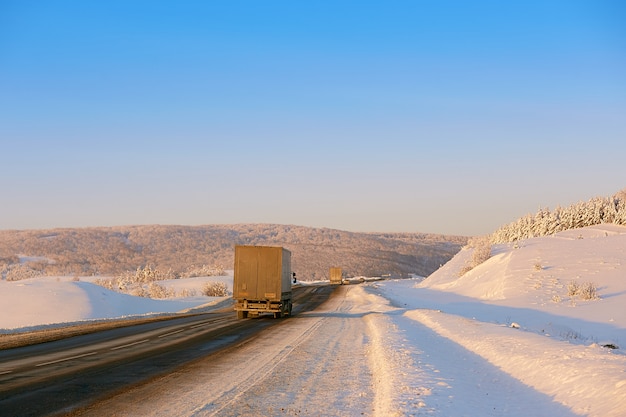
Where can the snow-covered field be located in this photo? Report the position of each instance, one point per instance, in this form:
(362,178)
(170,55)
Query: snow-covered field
(48,301)
(505,339)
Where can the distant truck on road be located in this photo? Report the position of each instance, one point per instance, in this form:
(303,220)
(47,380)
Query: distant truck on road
(262,281)
(335,276)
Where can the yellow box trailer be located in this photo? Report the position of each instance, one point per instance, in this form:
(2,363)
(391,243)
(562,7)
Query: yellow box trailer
(262,281)
(335,276)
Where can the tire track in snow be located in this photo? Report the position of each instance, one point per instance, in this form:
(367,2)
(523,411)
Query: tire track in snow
(383,378)
(327,374)
(385,364)
(270,356)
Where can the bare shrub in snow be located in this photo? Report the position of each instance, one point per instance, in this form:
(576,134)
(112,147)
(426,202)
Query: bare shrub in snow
(139,291)
(148,274)
(188,292)
(215,289)
(130,281)
(572,289)
(481,252)
(586,291)
(203,271)
(159,291)
(465,269)
(108,283)
(17,272)
(140,283)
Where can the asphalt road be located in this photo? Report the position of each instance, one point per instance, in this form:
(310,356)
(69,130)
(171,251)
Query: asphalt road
(57,377)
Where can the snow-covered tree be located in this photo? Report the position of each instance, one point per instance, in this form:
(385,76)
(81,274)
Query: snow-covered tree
(545,222)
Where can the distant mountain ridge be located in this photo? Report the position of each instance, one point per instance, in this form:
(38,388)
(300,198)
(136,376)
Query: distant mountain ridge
(113,250)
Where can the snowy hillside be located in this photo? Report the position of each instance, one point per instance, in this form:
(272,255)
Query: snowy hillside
(528,283)
(514,312)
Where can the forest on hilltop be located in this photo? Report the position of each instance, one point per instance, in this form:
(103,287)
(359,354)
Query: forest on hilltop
(107,251)
(546,222)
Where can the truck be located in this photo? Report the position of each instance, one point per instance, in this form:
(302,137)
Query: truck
(262,281)
(335,276)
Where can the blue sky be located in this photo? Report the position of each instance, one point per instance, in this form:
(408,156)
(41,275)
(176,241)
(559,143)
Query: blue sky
(410,116)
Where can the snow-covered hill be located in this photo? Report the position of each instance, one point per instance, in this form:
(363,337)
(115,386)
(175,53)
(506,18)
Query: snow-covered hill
(528,283)
(514,312)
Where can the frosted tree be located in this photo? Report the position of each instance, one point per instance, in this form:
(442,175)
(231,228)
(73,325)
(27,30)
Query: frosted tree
(545,222)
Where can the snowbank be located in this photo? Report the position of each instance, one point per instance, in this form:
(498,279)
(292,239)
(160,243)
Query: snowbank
(527,283)
(514,312)
(45,301)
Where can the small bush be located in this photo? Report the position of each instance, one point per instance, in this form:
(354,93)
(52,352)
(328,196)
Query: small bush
(142,282)
(203,271)
(188,292)
(466,268)
(159,291)
(215,289)
(572,289)
(586,291)
(139,292)
(147,274)
(18,272)
(482,252)
(107,283)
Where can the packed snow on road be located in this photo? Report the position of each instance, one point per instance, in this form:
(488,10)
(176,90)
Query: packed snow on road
(506,338)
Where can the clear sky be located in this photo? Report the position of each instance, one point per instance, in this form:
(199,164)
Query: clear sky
(410,116)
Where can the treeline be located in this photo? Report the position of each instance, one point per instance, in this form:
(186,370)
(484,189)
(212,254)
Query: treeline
(183,250)
(547,222)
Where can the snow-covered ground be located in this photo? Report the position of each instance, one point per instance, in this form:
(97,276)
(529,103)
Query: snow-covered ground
(504,339)
(514,313)
(48,301)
